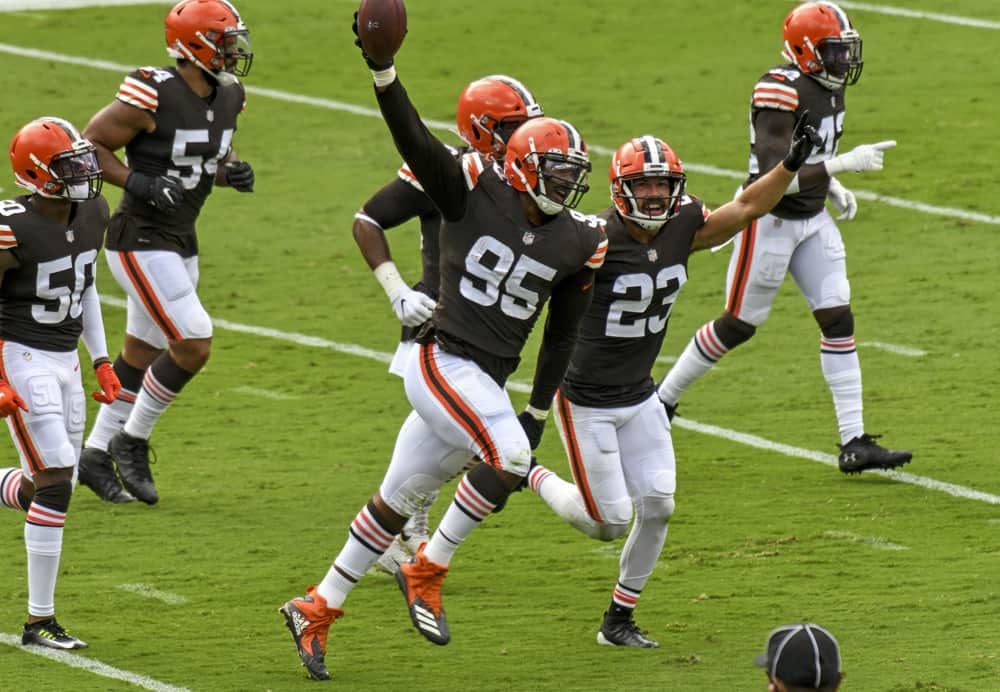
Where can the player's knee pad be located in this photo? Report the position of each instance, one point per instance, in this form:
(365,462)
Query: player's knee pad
(840,325)
(657,508)
(55,496)
(415,493)
(733,331)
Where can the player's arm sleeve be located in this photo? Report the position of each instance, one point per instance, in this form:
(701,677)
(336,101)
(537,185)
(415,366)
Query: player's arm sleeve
(397,203)
(93,323)
(440,174)
(570,300)
(774,135)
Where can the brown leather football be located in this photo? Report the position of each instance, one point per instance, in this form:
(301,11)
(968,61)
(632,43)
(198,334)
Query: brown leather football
(381,27)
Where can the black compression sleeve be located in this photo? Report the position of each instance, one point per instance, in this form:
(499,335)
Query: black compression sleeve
(436,168)
(397,203)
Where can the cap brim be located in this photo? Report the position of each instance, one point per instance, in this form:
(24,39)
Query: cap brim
(760,660)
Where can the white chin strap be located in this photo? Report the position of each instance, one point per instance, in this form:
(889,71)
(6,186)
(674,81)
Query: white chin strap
(650,224)
(546,205)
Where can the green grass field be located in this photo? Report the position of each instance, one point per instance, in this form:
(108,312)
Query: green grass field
(268,455)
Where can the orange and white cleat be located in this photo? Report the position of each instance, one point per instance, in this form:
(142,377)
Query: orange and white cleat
(309,620)
(420,582)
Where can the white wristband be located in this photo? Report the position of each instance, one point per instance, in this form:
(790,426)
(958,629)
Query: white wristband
(537,413)
(384,77)
(392,282)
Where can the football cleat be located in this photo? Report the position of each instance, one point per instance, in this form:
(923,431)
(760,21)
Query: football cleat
(863,454)
(624,632)
(98,473)
(420,581)
(391,559)
(132,456)
(50,634)
(309,619)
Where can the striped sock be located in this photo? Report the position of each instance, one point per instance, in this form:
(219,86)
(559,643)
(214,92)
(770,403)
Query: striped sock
(838,358)
(366,541)
(111,417)
(161,384)
(702,352)
(623,600)
(43,530)
(10,490)
(466,512)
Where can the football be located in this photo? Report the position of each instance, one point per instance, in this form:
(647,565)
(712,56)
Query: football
(381,28)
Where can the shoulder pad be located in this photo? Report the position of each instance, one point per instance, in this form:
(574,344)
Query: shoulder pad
(7,239)
(406,175)
(140,88)
(772,94)
(596,259)
(472,167)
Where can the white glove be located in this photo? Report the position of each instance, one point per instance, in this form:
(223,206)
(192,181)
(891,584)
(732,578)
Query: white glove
(413,307)
(867,157)
(843,200)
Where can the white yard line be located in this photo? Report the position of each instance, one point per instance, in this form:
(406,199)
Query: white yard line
(90,665)
(330,104)
(894,348)
(687,423)
(265,393)
(157,595)
(876,542)
(917,14)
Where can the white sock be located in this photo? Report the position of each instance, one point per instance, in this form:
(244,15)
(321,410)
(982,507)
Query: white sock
(563,498)
(110,419)
(366,542)
(43,531)
(465,513)
(702,352)
(842,370)
(153,400)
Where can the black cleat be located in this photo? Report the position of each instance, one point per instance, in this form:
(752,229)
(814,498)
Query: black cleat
(863,454)
(50,634)
(98,473)
(624,632)
(132,456)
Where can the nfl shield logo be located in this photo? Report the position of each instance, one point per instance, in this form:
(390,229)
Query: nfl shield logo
(210,115)
(651,254)
(70,237)
(528,238)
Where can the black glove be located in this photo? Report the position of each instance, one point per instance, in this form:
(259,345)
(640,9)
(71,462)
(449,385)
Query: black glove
(533,428)
(239,175)
(368,61)
(804,140)
(162,191)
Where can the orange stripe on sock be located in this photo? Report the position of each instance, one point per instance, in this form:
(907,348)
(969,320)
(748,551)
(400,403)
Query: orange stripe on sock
(575,459)
(456,406)
(148,295)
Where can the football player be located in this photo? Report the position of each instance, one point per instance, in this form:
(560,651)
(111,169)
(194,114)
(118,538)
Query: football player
(176,125)
(49,241)
(823,51)
(613,426)
(488,112)
(510,240)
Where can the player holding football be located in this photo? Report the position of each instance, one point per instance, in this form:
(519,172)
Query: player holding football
(49,241)
(613,426)
(799,236)
(510,241)
(488,112)
(176,125)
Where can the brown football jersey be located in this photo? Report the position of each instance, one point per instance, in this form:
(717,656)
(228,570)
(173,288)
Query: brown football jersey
(785,88)
(40,298)
(634,292)
(192,135)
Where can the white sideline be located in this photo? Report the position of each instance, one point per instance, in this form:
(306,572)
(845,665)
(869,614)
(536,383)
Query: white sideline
(915,14)
(91,665)
(149,592)
(441,125)
(715,431)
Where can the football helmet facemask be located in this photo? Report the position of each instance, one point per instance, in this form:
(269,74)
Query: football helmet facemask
(210,34)
(490,109)
(547,158)
(51,159)
(822,42)
(646,158)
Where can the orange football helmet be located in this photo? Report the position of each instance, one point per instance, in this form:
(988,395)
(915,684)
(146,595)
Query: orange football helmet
(490,109)
(642,158)
(210,34)
(822,42)
(547,158)
(51,159)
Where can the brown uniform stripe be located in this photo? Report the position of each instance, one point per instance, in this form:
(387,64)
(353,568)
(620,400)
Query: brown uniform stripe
(743,266)
(575,459)
(148,296)
(20,429)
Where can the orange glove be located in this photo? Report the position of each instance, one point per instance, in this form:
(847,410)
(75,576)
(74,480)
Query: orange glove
(10,400)
(110,386)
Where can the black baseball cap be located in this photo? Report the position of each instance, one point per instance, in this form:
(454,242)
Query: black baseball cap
(803,655)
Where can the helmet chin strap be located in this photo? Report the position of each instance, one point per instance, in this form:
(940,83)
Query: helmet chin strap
(546,205)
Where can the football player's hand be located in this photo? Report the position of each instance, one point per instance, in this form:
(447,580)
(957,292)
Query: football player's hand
(10,400)
(413,308)
(533,428)
(239,176)
(804,140)
(843,200)
(368,61)
(108,381)
(162,191)
(867,157)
